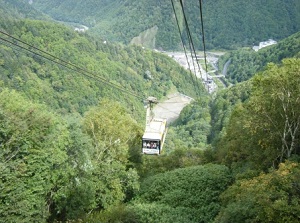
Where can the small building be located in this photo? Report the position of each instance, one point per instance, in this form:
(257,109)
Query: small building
(80,30)
(264,44)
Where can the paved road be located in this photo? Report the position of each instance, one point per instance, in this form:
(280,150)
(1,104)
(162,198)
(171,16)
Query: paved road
(171,108)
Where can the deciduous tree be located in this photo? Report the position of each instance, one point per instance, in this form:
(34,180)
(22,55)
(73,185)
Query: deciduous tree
(112,131)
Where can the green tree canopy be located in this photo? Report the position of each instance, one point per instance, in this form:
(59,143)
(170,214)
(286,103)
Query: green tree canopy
(193,192)
(32,158)
(272,197)
(113,132)
(265,130)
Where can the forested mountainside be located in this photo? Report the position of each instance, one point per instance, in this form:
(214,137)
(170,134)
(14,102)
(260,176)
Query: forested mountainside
(71,126)
(131,68)
(228,24)
(19,9)
(245,62)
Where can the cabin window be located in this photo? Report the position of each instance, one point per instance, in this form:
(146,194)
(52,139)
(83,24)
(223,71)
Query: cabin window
(150,144)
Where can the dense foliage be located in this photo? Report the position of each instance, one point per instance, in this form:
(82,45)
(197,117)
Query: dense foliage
(264,131)
(221,107)
(52,169)
(185,195)
(32,159)
(272,197)
(244,63)
(192,126)
(227,24)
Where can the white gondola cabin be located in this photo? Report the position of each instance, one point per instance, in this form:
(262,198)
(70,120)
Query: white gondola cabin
(154,136)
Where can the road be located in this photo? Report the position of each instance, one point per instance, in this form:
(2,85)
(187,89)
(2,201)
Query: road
(189,62)
(224,72)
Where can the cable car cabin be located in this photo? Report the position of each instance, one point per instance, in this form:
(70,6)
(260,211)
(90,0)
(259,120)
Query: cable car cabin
(154,136)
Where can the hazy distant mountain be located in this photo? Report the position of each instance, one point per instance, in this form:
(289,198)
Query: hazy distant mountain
(227,23)
(19,9)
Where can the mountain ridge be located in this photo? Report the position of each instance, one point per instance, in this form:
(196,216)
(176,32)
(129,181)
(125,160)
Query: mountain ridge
(227,24)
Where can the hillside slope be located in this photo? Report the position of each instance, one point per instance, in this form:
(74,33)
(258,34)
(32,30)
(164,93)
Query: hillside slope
(101,69)
(20,9)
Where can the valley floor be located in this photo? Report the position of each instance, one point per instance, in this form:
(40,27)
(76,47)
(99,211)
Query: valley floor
(188,62)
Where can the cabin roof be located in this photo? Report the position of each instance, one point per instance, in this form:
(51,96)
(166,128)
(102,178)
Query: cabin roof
(152,135)
(155,129)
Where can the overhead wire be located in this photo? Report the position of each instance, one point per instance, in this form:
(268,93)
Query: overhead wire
(181,38)
(184,48)
(191,39)
(178,26)
(168,110)
(191,42)
(52,58)
(203,36)
(64,63)
(89,74)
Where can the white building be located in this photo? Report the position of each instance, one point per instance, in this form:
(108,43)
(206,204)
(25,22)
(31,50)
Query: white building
(81,29)
(264,44)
